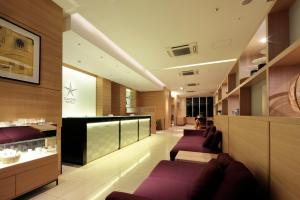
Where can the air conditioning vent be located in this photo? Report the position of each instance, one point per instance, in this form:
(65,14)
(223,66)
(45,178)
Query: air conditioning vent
(182,50)
(188,73)
(190,91)
(192,84)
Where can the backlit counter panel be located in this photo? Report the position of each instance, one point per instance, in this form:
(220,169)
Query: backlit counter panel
(102,139)
(85,139)
(144,130)
(129,132)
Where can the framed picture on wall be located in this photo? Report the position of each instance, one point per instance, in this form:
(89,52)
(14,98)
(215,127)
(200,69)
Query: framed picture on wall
(19,53)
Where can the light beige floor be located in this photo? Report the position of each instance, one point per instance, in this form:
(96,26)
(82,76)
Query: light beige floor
(122,171)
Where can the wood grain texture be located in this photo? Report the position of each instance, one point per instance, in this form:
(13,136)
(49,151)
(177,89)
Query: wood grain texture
(118,99)
(158,100)
(278,33)
(249,143)
(280,79)
(23,100)
(35,178)
(221,122)
(103,96)
(7,188)
(285,161)
(245,101)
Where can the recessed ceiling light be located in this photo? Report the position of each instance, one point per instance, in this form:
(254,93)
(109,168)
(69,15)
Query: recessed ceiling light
(204,63)
(181,88)
(263,40)
(246,2)
(173,94)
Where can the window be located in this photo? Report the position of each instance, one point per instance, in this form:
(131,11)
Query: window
(189,107)
(202,106)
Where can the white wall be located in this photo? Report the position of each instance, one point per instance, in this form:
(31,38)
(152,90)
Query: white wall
(79,94)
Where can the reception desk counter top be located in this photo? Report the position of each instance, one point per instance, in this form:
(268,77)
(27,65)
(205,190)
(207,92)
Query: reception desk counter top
(85,139)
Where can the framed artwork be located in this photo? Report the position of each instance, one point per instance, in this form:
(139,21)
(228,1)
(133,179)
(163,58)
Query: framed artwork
(19,53)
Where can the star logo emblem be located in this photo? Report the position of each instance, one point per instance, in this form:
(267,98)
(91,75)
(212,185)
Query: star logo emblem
(70,90)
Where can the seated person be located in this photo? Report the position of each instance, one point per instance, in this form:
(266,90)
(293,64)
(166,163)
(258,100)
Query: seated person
(197,123)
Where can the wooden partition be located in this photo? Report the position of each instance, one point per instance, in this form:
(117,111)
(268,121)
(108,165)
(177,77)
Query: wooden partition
(269,147)
(249,143)
(221,122)
(285,159)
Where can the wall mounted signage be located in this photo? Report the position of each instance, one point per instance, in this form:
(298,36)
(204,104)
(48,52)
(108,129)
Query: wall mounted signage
(79,94)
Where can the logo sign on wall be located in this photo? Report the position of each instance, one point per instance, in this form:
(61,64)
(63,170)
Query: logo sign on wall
(70,97)
(79,94)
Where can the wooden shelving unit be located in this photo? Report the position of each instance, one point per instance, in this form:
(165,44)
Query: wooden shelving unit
(265,93)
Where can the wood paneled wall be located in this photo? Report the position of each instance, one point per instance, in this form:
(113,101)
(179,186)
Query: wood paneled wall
(103,96)
(285,159)
(22,100)
(161,101)
(118,99)
(269,147)
(221,122)
(249,143)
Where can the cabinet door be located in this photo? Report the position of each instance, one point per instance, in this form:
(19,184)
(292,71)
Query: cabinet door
(7,188)
(34,178)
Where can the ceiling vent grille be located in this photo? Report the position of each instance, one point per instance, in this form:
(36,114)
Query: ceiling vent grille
(192,84)
(183,50)
(188,73)
(190,91)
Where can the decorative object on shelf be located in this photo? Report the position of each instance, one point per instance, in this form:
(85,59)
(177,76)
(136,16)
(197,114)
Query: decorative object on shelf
(294,93)
(253,71)
(9,156)
(236,112)
(259,61)
(19,53)
(261,66)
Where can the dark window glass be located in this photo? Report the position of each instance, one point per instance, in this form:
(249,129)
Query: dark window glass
(195,107)
(210,107)
(203,107)
(189,107)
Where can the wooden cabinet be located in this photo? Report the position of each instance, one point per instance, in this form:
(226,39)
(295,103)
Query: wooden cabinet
(21,178)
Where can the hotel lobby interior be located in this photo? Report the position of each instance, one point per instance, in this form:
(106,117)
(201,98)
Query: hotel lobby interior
(149,99)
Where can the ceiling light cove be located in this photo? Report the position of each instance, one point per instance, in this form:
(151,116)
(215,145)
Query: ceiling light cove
(203,63)
(85,29)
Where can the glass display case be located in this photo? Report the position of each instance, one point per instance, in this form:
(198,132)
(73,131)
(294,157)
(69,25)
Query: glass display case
(23,144)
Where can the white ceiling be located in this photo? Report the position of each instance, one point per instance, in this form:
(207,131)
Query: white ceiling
(145,28)
(80,53)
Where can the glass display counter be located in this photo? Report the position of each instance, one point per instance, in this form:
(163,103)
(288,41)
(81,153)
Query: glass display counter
(28,159)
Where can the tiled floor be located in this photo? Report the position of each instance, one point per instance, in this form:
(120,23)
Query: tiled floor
(123,170)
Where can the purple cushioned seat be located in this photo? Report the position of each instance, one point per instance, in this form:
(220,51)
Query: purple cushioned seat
(238,183)
(190,143)
(180,171)
(164,189)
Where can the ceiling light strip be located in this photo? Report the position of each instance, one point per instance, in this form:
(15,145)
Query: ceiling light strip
(204,63)
(88,31)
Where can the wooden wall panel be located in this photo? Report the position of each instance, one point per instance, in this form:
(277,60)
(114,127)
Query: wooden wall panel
(160,101)
(221,122)
(118,99)
(103,96)
(23,100)
(249,143)
(285,160)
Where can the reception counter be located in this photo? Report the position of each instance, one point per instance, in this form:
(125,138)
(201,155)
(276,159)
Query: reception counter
(89,138)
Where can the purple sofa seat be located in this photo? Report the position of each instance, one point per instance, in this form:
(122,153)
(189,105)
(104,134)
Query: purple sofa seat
(219,179)
(190,143)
